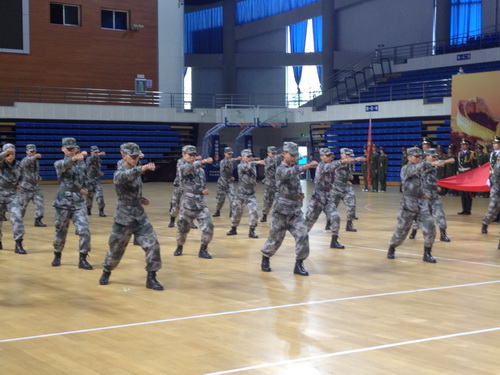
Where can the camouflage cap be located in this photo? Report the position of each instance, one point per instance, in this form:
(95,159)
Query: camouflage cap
(228,150)
(6,146)
(430,152)
(94,149)
(326,151)
(290,147)
(130,148)
(271,149)
(30,147)
(189,149)
(496,139)
(246,152)
(414,151)
(69,142)
(350,152)
(344,150)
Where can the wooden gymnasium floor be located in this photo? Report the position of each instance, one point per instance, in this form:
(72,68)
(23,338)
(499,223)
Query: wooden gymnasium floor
(357,312)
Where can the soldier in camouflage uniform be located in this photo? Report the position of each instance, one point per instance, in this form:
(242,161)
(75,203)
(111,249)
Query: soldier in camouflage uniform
(30,188)
(342,188)
(131,219)
(176,196)
(322,198)
(269,182)
(94,185)
(225,182)
(69,202)
(193,204)
(494,183)
(287,213)
(414,205)
(429,183)
(247,175)
(10,176)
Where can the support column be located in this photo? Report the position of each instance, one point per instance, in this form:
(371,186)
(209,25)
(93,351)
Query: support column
(229,47)
(328,11)
(442,21)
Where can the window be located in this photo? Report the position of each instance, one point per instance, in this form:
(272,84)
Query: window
(63,14)
(114,19)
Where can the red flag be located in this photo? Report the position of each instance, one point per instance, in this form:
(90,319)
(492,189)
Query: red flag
(473,180)
(369,153)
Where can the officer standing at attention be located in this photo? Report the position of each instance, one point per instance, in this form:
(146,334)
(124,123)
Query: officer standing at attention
(383,167)
(374,165)
(494,183)
(466,161)
(414,205)
(269,182)
(247,174)
(192,203)
(94,185)
(10,175)
(130,217)
(287,213)
(30,187)
(225,182)
(69,202)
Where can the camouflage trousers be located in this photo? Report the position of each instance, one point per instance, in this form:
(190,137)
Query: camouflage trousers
(175,201)
(187,218)
(95,190)
(321,201)
(280,224)
(80,220)
(224,188)
(11,204)
(493,205)
(424,219)
(36,195)
(269,193)
(437,211)
(349,199)
(239,203)
(145,237)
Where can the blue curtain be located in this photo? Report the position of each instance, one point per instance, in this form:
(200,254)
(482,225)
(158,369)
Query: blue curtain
(203,31)
(318,41)
(465,21)
(252,10)
(298,45)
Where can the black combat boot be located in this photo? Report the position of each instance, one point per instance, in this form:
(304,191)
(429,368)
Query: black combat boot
(412,234)
(265,265)
(1,246)
(57,259)
(83,262)
(349,227)
(38,222)
(264,218)
(232,232)
(217,213)
(498,245)
(335,243)
(19,247)
(203,253)
(178,251)
(444,237)
(101,213)
(390,253)
(104,280)
(427,255)
(89,211)
(172,222)
(328,225)
(299,269)
(152,283)
(3,217)
(251,233)
(484,228)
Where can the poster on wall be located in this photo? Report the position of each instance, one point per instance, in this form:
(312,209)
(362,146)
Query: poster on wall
(475,108)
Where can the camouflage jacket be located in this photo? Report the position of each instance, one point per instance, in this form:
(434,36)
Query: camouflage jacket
(413,185)
(10,176)
(193,181)
(128,188)
(30,173)
(247,174)
(289,194)
(270,170)
(93,163)
(71,177)
(226,169)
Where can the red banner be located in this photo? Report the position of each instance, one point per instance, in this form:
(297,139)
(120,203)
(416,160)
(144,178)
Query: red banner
(474,180)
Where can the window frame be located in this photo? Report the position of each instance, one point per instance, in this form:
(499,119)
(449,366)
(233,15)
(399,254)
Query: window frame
(114,11)
(63,8)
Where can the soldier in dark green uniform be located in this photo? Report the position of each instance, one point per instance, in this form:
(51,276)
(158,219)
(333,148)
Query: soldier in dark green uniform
(130,217)
(466,162)
(364,169)
(383,167)
(374,165)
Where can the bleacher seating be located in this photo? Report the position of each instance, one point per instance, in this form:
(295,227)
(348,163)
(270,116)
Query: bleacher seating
(158,142)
